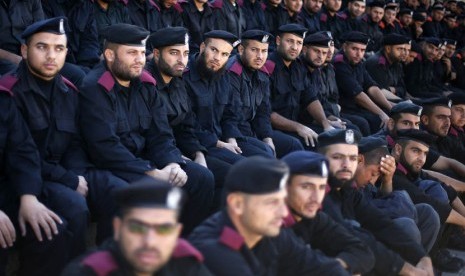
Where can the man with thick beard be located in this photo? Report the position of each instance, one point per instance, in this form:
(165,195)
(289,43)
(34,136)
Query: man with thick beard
(125,125)
(346,205)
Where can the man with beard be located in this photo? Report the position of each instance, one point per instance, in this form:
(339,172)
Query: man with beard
(457,118)
(250,86)
(352,14)
(410,150)
(347,206)
(171,52)
(306,190)
(386,69)
(291,93)
(246,238)
(435,26)
(107,13)
(49,105)
(406,20)
(212,100)
(370,25)
(125,124)
(360,94)
(331,21)
(310,15)
(146,239)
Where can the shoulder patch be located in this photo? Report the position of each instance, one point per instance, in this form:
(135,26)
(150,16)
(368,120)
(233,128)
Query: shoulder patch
(185,249)
(69,84)
(289,221)
(365,18)
(323,17)
(338,58)
(6,90)
(382,60)
(453,131)
(107,81)
(236,68)
(101,262)
(231,238)
(153,4)
(401,168)
(382,25)
(342,15)
(419,57)
(178,7)
(8,81)
(269,66)
(218,4)
(240,3)
(390,141)
(429,19)
(146,77)
(263,6)
(125,2)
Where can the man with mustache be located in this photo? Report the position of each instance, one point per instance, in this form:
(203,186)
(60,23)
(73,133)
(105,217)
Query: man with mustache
(306,189)
(347,206)
(249,83)
(146,239)
(246,238)
(125,124)
(109,12)
(457,118)
(171,52)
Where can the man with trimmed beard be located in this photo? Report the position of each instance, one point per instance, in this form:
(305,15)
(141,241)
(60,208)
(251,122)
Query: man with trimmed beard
(246,237)
(250,85)
(306,189)
(457,118)
(331,21)
(352,14)
(347,206)
(171,52)
(310,15)
(291,93)
(146,240)
(125,124)
(370,25)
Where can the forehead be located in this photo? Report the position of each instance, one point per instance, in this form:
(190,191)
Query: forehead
(256,44)
(345,149)
(441,110)
(177,47)
(281,194)
(220,44)
(151,215)
(409,117)
(317,48)
(356,45)
(458,106)
(377,9)
(415,144)
(127,48)
(358,3)
(309,179)
(48,38)
(286,36)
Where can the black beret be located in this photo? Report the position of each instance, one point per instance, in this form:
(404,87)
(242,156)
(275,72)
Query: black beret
(307,162)
(395,39)
(151,193)
(339,136)
(370,143)
(356,1)
(406,11)
(259,35)
(126,34)
(56,25)
(448,41)
(416,135)
(378,4)
(457,98)
(415,47)
(224,35)
(295,29)
(257,175)
(438,101)
(406,107)
(433,40)
(318,39)
(356,37)
(418,17)
(451,15)
(438,7)
(390,7)
(169,36)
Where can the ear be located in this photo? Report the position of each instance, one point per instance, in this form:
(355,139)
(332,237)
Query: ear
(235,203)
(156,54)
(397,149)
(278,40)
(24,51)
(116,227)
(361,159)
(202,47)
(390,124)
(109,55)
(240,49)
(424,120)
(180,226)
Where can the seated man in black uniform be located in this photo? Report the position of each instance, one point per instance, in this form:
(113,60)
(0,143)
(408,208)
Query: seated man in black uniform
(125,124)
(306,190)
(146,237)
(246,238)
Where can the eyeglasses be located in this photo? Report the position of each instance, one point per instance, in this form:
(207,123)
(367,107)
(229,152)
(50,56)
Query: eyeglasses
(141,228)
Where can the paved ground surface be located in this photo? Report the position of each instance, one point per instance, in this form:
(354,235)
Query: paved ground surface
(460,254)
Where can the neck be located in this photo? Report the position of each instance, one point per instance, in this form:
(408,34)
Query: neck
(166,78)
(287,63)
(102,4)
(250,239)
(124,83)
(199,5)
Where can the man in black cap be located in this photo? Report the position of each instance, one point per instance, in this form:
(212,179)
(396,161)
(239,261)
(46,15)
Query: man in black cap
(306,190)
(170,54)
(26,220)
(435,26)
(352,14)
(246,237)
(310,15)
(370,25)
(209,93)
(125,124)
(390,23)
(385,66)
(360,95)
(458,62)
(406,20)
(250,86)
(107,13)
(331,21)
(229,17)
(347,206)
(457,118)
(49,104)
(146,239)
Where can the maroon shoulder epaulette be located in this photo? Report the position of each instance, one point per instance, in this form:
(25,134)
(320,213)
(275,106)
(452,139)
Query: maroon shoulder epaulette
(107,81)
(269,66)
(382,25)
(289,220)
(231,238)
(178,7)
(365,18)
(146,77)
(429,19)
(236,68)
(151,2)
(382,60)
(240,3)
(185,249)
(342,15)
(125,2)
(459,56)
(401,168)
(5,90)
(453,132)
(419,57)
(265,70)
(263,6)
(218,4)
(69,84)
(8,81)
(101,262)
(390,141)
(323,17)
(338,58)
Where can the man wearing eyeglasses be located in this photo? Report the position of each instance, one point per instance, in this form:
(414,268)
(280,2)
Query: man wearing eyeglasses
(145,240)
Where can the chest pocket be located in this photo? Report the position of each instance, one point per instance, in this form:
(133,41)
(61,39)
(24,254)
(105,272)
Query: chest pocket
(66,125)
(222,98)
(38,123)
(122,126)
(204,101)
